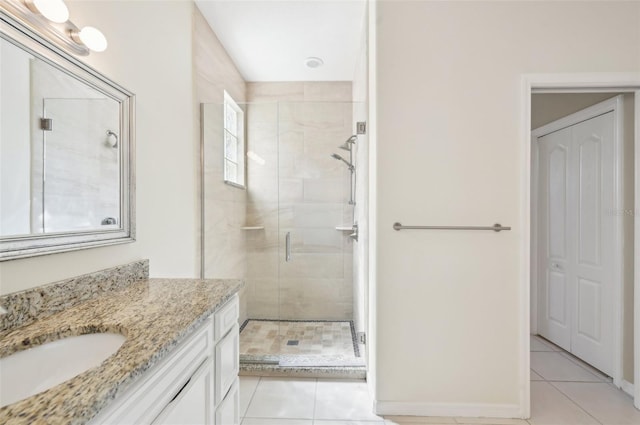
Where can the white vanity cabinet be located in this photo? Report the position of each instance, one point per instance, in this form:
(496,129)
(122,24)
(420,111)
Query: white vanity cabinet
(196,384)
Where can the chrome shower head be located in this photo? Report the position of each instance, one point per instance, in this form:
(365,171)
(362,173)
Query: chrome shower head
(348,144)
(336,156)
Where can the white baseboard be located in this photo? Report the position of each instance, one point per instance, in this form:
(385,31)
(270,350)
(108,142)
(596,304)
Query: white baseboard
(628,388)
(471,410)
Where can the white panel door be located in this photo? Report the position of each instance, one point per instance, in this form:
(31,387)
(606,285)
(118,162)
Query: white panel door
(593,169)
(554,242)
(576,240)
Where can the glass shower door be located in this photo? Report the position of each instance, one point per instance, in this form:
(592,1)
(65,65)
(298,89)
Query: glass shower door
(314,215)
(299,282)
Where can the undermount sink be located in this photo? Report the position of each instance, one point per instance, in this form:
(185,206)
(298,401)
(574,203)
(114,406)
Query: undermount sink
(37,369)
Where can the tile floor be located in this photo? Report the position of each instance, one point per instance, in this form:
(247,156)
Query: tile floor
(564,391)
(266,337)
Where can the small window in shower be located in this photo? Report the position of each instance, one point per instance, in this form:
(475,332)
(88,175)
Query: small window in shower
(233,142)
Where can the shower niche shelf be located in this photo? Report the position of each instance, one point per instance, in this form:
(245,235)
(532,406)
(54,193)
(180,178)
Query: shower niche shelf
(252,228)
(345,228)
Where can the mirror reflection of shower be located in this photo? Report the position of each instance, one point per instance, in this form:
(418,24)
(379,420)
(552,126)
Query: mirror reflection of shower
(348,146)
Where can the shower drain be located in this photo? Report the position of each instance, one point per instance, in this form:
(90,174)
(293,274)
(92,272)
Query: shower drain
(292,342)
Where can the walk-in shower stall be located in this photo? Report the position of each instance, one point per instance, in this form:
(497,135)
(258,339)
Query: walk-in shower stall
(294,223)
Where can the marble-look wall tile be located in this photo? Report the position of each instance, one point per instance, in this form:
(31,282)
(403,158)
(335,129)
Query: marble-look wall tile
(303,265)
(334,91)
(25,307)
(263,297)
(263,265)
(225,241)
(225,206)
(325,190)
(314,215)
(277,91)
(316,299)
(319,240)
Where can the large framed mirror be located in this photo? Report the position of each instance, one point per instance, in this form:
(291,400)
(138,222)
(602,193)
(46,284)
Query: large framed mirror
(66,149)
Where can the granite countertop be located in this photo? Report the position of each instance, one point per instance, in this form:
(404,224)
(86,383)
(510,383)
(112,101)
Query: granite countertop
(155,315)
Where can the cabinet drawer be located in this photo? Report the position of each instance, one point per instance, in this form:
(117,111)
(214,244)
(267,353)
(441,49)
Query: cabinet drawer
(193,405)
(228,413)
(226,317)
(227,363)
(147,397)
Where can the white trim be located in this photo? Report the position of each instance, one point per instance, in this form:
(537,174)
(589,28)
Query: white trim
(636,223)
(584,90)
(615,105)
(240,177)
(627,387)
(616,82)
(618,255)
(533,290)
(586,83)
(467,410)
(525,259)
(372,361)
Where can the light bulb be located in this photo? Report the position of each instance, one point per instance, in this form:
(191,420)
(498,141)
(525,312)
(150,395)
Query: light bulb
(93,39)
(54,10)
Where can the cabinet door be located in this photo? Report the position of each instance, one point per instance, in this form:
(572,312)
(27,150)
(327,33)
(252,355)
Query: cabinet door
(226,317)
(193,405)
(227,362)
(228,412)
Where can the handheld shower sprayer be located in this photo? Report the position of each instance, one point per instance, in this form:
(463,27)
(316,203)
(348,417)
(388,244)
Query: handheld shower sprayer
(348,146)
(336,156)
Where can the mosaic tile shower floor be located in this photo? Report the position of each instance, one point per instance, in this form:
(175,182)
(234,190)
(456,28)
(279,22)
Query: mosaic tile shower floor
(299,343)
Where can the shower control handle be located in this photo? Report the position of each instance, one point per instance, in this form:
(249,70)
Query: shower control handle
(287,249)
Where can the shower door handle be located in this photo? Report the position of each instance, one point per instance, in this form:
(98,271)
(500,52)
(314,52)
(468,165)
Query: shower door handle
(287,248)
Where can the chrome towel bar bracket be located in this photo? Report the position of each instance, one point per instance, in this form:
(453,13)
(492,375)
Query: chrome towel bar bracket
(496,227)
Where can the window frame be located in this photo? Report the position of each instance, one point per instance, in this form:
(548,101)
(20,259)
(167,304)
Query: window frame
(240,181)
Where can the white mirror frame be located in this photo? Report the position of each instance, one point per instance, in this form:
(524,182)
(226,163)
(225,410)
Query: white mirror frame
(28,37)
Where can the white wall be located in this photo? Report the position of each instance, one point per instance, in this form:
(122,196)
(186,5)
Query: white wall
(449,152)
(150,53)
(15,180)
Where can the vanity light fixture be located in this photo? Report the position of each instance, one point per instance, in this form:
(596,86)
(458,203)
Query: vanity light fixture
(50,19)
(54,10)
(90,37)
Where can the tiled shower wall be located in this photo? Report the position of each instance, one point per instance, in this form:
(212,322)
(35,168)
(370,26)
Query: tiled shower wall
(224,205)
(293,185)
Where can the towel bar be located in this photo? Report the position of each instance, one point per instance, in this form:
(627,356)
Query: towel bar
(496,227)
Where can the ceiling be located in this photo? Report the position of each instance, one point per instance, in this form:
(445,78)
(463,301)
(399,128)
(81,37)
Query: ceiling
(269,40)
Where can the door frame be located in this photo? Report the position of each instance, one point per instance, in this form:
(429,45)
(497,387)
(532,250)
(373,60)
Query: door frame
(610,105)
(568,83)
